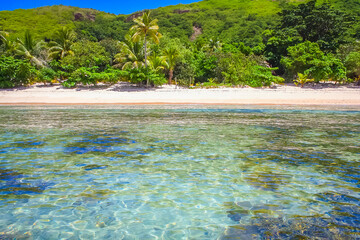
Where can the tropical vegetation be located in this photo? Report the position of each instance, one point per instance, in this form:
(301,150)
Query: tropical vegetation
(211,43)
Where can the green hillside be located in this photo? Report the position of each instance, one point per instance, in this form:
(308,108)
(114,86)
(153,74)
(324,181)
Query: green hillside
(230,20)
(44,21)
(211,42)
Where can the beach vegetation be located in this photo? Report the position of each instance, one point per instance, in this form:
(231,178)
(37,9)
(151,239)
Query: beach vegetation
(307,58)
(302,79)
(146,30)
(15,72)
(61,46)
(172,57)
(208,43)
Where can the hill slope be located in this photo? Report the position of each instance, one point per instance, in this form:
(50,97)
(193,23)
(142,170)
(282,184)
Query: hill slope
(230,20)
(44,21)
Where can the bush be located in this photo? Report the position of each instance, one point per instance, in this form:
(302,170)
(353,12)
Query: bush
(260,76)
(86,54)
(307,58)
(141,75)
(82,75)
(238,69)
(14,72)
(47,75)
(88,76)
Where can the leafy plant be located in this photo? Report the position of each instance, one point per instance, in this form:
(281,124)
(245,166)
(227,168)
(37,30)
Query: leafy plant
(15,72)
(146,29)
(47,75)
(307,58)
(302,79)
(145,75)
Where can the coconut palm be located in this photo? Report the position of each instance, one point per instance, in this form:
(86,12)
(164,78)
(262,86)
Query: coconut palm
(157,63)
(214,45)
(131,54)
(172,57)
(61,47)
(3,36)
(30,49)
(9,47)
(146,29)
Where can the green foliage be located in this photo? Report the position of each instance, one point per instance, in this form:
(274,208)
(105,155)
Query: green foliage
(61,47)
(146,29)
(111,46)
(205,65)
(234,42)
(105,26)
(131,54)
(322,24)
(352,64)
(43,21)
(302,79)
(141,75)
(277,43)
(32,50)
(260,76)
(307,58)
(86,54)
(238,69)
(172,57)
(89,76)
(14,72)
(47,75)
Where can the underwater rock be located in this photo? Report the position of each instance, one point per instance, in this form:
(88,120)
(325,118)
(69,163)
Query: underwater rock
(281,228)
(93,167)
(7,174)
(15,235)
(15,183)
(271,222)
(267,181)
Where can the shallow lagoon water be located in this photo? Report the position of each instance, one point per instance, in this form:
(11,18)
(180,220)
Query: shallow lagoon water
(175,172)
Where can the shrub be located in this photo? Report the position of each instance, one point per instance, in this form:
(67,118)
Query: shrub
(14,72)
(88,76)
(47,75)
(140,75)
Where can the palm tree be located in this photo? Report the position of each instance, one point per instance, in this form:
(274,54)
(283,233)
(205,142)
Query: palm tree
(31,49)
(3,36)
(9,47)
(146,29)
(157,63)
(172,56)
(214,45)
(131,54)
(61,47)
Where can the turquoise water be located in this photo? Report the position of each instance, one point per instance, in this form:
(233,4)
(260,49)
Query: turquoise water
(175,172)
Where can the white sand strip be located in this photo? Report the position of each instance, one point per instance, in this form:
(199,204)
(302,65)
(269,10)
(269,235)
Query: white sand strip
(125,94)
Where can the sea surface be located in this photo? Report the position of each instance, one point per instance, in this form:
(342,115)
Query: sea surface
(179,172)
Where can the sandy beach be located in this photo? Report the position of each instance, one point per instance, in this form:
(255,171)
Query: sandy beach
(122,93)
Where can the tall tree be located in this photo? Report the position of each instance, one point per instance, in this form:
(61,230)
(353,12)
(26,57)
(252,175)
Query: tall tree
(61,47)
(131,54)
(172,56)
(318,23)
(31,50)
(146,29)
(8,46)
(157,63)
(3,36)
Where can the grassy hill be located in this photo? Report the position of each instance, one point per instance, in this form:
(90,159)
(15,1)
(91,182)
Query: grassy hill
(230,20)
(44,21)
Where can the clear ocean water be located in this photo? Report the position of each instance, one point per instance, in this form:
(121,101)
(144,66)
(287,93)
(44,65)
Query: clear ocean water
(176,172)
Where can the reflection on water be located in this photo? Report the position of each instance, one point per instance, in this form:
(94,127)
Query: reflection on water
(176,173)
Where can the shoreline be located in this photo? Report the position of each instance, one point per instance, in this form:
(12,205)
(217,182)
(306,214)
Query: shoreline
(125,94)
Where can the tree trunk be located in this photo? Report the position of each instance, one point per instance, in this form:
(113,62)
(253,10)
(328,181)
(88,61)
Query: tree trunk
(171,74)
(145,48)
